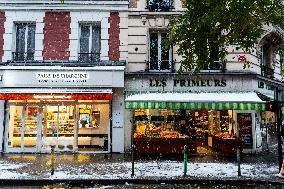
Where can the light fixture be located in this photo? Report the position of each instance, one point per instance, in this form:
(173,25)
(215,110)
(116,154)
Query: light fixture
(144,19)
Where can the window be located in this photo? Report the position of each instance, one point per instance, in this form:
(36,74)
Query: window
(266,61)
(90,43)
(160,55)
(160,5)
(25,42)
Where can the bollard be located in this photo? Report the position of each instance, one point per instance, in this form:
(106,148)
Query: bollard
(184,161)
(132,160)
(52,159)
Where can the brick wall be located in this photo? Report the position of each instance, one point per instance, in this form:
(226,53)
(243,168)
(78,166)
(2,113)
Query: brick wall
(113,42)
(56,36)
(2,31)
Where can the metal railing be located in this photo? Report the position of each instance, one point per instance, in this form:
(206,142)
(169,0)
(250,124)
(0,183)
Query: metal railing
(23,56)
(89,57)
(159,5)
(216,65)
(160,65)
(267,72)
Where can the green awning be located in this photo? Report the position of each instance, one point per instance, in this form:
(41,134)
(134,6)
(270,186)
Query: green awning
(195,101)
(195,105)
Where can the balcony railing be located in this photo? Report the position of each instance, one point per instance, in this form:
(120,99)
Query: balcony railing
(23,56)
(267,72)
(159,5)
(216,65)
(89,57)
(164,65)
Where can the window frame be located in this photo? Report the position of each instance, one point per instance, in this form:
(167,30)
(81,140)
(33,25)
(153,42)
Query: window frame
(26,50)
(91,26)
(159,48)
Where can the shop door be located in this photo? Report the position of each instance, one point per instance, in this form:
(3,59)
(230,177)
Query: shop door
(23,128)
(58,128)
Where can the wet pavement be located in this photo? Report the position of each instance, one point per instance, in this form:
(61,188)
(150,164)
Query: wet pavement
(116,169)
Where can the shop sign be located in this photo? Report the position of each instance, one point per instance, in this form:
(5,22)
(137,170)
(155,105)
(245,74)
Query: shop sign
(56,97)
(189,83)
(267,86)
(84,111)
(62,77)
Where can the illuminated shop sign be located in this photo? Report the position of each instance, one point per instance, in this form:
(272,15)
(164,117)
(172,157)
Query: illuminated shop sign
(55,97)
(189,83)
(52,97)
(62,77)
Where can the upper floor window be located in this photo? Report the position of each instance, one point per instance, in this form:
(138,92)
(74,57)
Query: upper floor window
(160,55)
(160,5)
(266,60)
(25,42)
(90,42)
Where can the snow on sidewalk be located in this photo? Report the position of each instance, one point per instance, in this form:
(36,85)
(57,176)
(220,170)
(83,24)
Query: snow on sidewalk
(145,169)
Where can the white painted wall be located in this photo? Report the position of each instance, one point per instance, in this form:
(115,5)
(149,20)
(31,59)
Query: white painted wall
(118,120)
(2,112)
(128,124)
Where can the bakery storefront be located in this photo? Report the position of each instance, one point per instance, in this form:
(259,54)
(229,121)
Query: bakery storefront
(73,115)
(198,112)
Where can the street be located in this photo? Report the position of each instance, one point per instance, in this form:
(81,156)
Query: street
(154,186)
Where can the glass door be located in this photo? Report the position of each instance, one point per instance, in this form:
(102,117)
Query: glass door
(30,128)
(22,128)
(58,128)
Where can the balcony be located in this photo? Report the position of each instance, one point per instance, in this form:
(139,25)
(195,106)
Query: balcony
(216,66)
(23,56)
(89,57)
(160,5)
(267,72)
(163,66)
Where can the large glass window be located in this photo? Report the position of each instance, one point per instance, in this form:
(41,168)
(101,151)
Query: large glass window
(90,42)
(160,55)
(23,124)
(93,127)
(25,41)
(68,126)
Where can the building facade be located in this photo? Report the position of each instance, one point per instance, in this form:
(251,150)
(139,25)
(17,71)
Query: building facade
(62,75)
(165,110)
(96,76)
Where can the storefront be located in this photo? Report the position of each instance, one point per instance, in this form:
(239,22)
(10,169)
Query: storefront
(74,115)
(202,112)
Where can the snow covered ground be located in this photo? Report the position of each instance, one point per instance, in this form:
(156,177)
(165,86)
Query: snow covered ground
(143,169)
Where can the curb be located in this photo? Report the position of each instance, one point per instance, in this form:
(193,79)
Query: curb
(89,182)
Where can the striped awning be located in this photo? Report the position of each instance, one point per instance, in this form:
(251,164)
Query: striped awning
(195,101)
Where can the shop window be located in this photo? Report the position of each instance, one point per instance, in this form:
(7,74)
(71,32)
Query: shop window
(169,130)
(266,61)
(160,54)
(25,42)
(90,43)
(93,127)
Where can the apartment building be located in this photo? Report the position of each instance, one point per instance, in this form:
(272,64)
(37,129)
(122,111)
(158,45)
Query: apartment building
(166,110)
(62,75)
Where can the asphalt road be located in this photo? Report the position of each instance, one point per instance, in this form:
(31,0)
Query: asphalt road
(152,186)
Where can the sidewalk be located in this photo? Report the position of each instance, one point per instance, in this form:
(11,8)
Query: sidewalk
(116,168)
